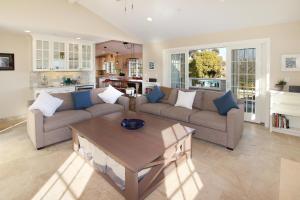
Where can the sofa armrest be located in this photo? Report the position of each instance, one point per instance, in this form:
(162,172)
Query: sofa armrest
(235,126)
(124,101)
(35,128)
(139,101)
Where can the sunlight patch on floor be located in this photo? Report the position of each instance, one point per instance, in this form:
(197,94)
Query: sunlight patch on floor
(68,182)
(183,182)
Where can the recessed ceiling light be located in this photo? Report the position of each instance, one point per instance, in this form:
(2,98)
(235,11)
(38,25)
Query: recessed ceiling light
(78,38)
(27,31)
(149,19)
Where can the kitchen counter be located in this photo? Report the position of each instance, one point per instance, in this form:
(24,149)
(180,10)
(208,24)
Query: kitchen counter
(57,89)
(61,86)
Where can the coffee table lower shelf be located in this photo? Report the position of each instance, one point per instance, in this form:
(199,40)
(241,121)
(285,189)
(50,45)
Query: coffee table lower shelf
(139,189)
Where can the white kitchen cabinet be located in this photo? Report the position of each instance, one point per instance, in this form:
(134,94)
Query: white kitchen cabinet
(59,56)
(52,53)
(73,59)
(41,55)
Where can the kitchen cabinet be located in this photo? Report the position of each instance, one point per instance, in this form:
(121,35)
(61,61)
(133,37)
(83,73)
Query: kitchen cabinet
(73,56)
(41,54)
(59,56)
(52,53)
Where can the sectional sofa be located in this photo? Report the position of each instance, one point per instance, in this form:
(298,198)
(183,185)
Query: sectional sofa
(204,117)
(44,131)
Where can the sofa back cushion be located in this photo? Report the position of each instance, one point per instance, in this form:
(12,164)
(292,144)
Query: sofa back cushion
(166,91)
(208,100)
(94,95)
(198,101)
(173,96)
(67,101)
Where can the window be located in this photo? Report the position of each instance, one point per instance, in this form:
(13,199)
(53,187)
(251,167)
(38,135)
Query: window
(109,67)
(135,68)
(207,68)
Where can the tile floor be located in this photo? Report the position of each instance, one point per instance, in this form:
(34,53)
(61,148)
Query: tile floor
(264,166)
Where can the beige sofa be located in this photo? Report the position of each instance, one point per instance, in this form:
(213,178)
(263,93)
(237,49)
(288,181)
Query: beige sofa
(44,131)
(209,124)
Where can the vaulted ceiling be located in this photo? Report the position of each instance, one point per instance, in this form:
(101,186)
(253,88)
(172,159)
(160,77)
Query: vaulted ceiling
(180,18)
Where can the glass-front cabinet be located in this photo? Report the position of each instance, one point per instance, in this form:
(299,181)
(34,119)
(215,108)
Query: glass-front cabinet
(73,59)
(62,54)
(41,54)
(59,56)
(86,55)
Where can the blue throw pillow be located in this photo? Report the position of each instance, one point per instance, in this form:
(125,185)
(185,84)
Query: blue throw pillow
(155,95)
(82,100)
(225,103)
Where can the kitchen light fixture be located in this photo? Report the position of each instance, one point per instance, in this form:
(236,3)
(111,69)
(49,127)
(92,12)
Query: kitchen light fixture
(149,19)
(27,31)
(117,62)
(128,4)
(78,38)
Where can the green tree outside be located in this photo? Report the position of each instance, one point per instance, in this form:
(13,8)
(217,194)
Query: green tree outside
(206,64)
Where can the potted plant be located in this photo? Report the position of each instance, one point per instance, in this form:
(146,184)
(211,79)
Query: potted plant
(280,85)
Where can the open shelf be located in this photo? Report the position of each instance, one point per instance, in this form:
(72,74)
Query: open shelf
(289,131)
(287,105)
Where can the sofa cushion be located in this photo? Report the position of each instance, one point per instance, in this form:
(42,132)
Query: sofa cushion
(198,99)
(82,99)
(46,103)
(104,108)
(209,119)
(155,95)
(173,96)
(65,118)
(225,103)
(185,99)
(178,113)
(94,95)
(153,108)
(110,95)
(67,101)
(166,91)
(208,100)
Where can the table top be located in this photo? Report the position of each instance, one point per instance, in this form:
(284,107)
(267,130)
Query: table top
(134,149)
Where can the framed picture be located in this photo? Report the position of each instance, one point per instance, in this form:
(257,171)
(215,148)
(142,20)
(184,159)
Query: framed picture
(7,61)
(151,65)
(290,62)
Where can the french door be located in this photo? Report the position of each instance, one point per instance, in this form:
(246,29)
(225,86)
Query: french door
(244,71)
(178,70)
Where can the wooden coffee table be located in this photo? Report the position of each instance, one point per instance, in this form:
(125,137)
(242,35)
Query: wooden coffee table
(158,145)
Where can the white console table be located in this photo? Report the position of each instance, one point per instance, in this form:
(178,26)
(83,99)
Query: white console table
(288,104)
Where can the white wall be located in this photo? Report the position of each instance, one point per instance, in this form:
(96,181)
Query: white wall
(14,85)
(284,40)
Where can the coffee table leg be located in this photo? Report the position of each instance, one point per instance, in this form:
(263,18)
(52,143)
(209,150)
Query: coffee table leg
(131,185)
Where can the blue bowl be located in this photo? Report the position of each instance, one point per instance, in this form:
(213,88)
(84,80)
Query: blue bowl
(132,124)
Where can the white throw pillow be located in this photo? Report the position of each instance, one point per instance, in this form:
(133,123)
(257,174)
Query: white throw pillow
(110,95)
(46,103)
(185,99)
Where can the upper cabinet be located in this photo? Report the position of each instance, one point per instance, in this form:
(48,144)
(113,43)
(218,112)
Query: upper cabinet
(41,55)
(62,54)
(59,56)
(86,57)
(74,56)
